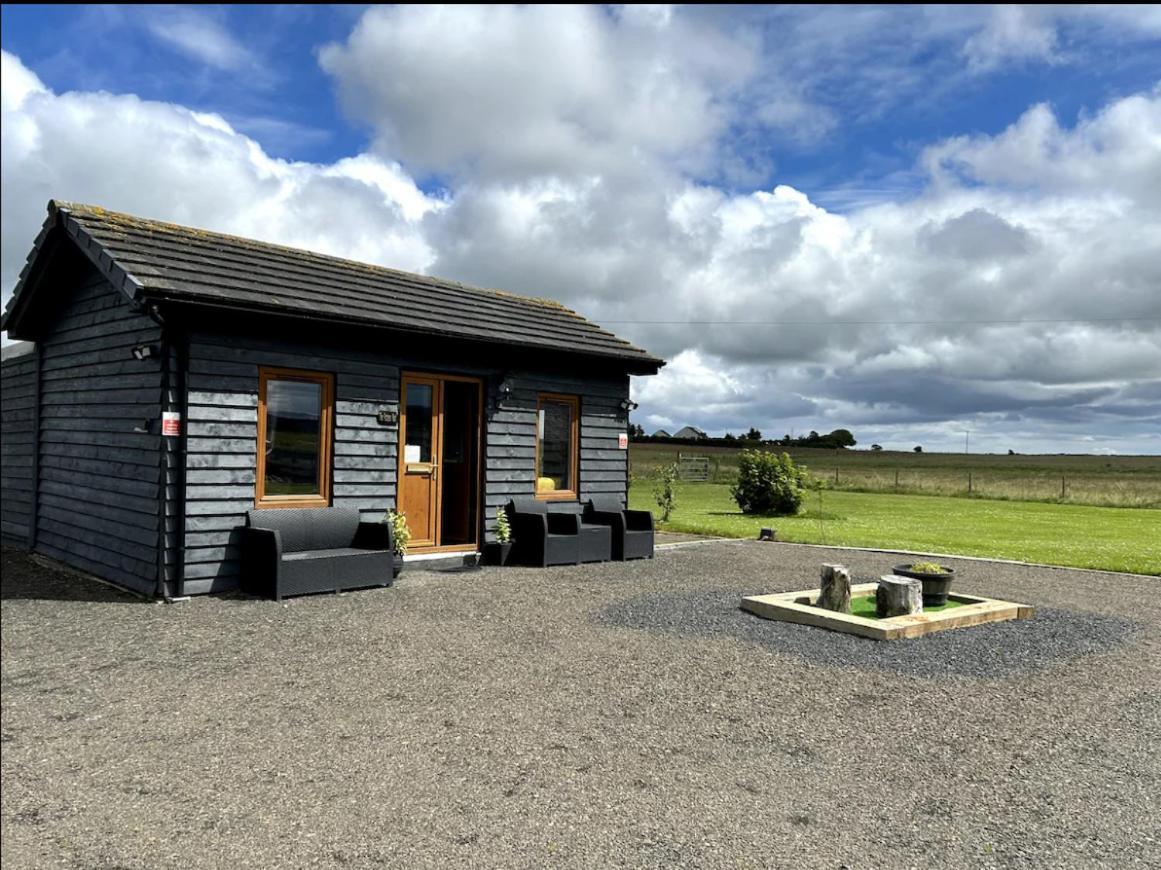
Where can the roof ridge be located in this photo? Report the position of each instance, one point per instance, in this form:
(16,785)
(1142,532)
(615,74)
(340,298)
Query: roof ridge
(112,216)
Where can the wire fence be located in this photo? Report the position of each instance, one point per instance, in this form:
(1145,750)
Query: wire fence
(1137,490)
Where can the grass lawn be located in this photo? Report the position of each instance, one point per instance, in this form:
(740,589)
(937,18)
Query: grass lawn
(1113,539)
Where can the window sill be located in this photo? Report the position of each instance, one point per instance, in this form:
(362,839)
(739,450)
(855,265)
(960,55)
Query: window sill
(558,495)
(292,502)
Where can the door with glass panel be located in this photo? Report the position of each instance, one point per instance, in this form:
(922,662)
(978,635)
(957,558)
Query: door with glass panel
(439,461)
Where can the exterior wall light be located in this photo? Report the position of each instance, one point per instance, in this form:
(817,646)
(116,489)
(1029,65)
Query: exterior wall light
(144,351)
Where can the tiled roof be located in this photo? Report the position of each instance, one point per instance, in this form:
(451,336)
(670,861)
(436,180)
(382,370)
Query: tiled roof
(156,260)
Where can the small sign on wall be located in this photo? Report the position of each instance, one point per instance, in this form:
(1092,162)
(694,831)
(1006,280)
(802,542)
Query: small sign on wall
(623,440)
(171,423)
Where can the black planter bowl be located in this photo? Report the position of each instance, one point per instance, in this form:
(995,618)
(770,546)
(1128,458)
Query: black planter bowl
(496,553)
(935,586)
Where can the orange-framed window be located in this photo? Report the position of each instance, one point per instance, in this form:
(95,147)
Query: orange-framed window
(295,421)
(557,446)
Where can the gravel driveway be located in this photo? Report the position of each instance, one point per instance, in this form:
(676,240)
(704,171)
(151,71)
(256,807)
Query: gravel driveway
(607,715)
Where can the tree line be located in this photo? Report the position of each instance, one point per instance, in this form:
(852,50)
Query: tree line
(838,439)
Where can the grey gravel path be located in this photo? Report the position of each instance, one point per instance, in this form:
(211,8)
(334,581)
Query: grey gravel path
(608,715)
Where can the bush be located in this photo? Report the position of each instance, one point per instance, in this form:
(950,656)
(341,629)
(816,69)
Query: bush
(769,483)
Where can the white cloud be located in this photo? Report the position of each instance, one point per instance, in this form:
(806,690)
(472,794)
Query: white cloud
(198,35)
(163,161)
(565,90)
(1013,33)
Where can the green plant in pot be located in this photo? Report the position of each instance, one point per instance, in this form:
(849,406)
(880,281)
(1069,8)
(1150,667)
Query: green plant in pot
(400,537)
(499,551)
(936,579)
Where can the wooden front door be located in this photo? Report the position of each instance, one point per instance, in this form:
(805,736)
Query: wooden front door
(439,469)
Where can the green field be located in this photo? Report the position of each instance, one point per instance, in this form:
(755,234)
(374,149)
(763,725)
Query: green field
(1109,481)
(1113,539)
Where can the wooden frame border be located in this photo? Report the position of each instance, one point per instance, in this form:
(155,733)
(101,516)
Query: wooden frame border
(326,439)
(797,607)
(438,426)
(572,494)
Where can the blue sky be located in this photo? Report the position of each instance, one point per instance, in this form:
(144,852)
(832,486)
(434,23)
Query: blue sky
(266,81)
(833,167)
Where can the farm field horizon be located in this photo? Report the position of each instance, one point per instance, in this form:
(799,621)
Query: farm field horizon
(1076,479)
(1079,536)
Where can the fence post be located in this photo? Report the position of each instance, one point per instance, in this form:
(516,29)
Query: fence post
(836,477)
(1062,487)
(969,483)
(896,478)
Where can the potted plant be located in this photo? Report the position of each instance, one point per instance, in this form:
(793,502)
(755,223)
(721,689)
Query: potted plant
(936,580)
(400,538)
(498,552)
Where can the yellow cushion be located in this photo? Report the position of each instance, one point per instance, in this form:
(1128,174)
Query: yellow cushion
(545,484)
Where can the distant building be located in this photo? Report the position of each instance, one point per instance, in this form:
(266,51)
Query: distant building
(661,433)
(690,432)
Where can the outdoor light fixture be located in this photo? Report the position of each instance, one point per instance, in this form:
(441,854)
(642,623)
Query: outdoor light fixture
(144,351)
(629,405)
(146,425)
(505,388)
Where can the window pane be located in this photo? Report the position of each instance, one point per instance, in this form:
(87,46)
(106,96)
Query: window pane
(555,432)
(293,437)
(419,421)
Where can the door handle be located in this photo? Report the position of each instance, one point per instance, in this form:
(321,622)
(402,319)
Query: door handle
(434,471)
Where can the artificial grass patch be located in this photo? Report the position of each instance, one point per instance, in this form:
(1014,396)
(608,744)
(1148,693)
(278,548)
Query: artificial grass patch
(864,606)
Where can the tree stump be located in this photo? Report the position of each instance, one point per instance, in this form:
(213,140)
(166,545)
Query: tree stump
(834,590)
(898,596)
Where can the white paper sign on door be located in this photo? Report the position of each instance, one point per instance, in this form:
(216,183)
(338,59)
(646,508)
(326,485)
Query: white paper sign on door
(411,453)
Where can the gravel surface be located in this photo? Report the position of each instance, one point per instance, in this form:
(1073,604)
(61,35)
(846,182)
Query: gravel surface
(620,714)
(994,650)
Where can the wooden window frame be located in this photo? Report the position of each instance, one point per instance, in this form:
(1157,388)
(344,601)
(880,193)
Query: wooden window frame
(326,439)
(572,494)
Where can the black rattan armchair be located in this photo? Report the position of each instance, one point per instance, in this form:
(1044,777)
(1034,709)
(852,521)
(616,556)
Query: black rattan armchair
(541,538)
(632,531)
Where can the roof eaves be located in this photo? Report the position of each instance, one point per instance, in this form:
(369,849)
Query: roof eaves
(118,276)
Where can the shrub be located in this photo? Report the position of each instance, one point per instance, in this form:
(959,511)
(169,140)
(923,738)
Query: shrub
(503,530)
(663,492)
(927,568)
(400,534)
(769,483)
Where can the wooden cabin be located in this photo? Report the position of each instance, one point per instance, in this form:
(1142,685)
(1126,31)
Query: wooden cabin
(173,379)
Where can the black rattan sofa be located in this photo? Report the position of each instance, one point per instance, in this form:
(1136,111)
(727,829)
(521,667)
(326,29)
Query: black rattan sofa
(632,530)
(296,551)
